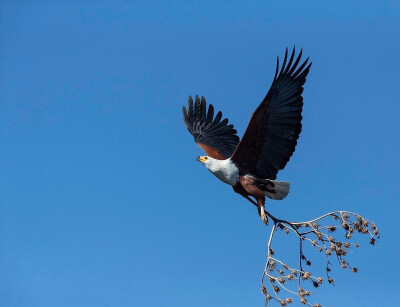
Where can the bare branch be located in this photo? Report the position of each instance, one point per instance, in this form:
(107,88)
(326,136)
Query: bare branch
(281,275)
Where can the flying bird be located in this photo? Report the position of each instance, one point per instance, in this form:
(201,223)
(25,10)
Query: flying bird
(250,165)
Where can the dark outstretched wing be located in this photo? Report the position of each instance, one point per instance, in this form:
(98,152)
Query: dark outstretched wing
(215,137)
(271,136)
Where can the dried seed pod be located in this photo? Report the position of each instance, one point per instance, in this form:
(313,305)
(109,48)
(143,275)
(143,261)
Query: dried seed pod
(331,228)
(264,290)
(328,252)
(281,280)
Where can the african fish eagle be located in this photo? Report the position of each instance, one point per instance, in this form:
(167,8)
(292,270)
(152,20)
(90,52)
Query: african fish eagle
(250,165)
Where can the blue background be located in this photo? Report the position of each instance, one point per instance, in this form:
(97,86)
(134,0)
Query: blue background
(101,200)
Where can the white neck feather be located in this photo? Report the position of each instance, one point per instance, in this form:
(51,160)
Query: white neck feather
(225,170)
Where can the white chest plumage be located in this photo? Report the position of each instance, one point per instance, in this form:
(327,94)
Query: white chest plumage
(225,170)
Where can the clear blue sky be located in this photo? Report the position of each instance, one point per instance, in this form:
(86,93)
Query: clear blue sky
(101,200)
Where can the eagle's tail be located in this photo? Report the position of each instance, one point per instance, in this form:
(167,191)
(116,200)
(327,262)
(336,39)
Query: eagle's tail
(274,189)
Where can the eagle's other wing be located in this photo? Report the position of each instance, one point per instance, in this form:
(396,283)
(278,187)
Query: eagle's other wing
(215,137)
(271,136)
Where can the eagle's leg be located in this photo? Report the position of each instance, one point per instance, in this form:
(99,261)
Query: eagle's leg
(260,207)
(247,186)
(261,211)
(259,204)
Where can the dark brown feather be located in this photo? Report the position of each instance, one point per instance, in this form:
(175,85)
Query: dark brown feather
(271,136)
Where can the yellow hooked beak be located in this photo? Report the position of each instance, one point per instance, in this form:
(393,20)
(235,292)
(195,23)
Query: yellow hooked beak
(202,159)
